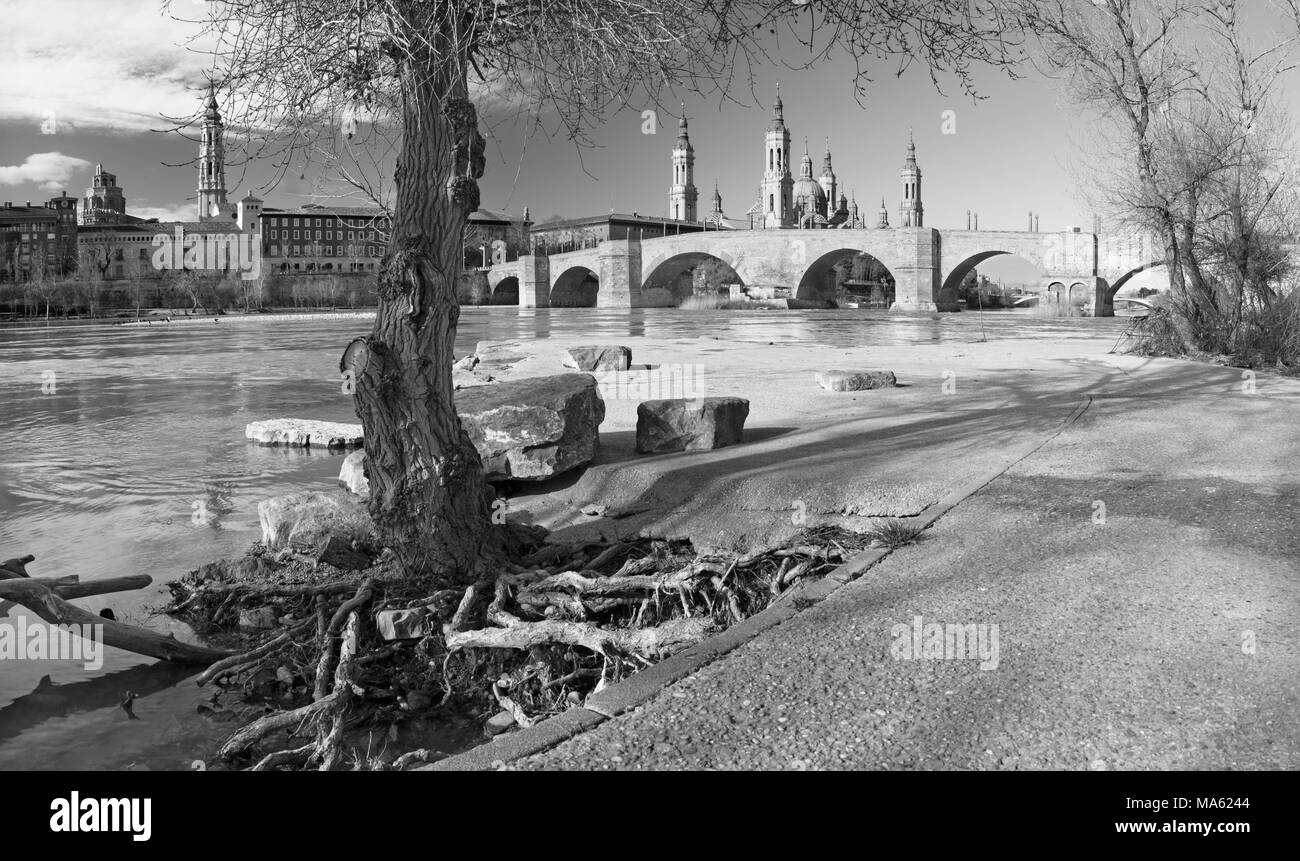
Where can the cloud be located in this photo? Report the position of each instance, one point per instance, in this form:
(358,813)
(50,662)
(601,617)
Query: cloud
(164,213)
(50,170)
(118,69)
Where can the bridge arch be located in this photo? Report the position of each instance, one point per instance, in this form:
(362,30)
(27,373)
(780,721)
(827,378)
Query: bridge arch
(506,291)
(1124,279)
(677,274)
(951,287)
(819,281)
(575,287)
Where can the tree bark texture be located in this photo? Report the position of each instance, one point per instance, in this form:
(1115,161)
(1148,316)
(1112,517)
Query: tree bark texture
(428,495)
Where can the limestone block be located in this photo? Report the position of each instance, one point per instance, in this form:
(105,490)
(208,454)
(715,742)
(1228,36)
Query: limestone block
(689,425)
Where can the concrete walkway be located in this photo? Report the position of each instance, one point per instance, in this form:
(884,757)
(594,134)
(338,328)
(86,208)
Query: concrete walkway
(1142,571)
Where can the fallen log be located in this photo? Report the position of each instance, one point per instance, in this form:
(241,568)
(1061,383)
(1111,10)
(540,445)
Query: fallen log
(70,587)
(672,636)
(43,601)
(105,586)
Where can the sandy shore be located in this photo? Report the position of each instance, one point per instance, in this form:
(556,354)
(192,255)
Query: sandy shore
(808,452)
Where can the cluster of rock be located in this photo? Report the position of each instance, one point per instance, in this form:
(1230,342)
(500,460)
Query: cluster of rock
(525,430)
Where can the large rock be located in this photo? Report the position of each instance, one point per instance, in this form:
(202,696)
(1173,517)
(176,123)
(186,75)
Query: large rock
(601,357)
(309,518)
(498,352)
(304,433)
(535,428)
(340,553)
(855,381)
(689,425)
(352,474)
(411,624)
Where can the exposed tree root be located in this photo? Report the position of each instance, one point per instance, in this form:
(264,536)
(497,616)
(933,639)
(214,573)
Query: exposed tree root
(660,641)
(535,639)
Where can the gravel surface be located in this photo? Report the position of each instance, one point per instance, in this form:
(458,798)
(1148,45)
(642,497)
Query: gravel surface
(1122,644)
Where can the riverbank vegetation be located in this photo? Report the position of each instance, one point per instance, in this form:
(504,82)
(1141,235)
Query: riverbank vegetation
(1189,95)
(192,292)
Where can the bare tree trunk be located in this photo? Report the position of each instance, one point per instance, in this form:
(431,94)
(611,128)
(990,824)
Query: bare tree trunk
(428,494)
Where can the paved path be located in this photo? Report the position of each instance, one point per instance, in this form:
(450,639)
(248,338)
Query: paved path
(1123,644)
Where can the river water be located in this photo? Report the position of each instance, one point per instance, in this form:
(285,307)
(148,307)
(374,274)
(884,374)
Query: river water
(113,435)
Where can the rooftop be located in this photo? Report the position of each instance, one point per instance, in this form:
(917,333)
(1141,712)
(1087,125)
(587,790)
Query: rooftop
(615,217)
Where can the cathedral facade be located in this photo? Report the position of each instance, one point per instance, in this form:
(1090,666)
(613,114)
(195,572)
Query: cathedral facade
(786,202)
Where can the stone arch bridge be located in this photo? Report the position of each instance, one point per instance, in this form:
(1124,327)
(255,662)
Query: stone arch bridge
(927,265)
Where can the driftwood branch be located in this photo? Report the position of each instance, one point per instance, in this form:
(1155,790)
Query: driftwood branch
(70,587)
(672,636)
(43,601)
(329,742)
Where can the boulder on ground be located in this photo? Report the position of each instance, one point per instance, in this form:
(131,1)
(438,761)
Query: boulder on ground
(535,428)
(304,433)
(352,474)
(410,624)
(498,723)
(498,352)
(682,424)
(340,553)
(310,517)
(855,381)
(600,357)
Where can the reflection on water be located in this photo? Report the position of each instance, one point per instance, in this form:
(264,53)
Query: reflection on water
(124,453)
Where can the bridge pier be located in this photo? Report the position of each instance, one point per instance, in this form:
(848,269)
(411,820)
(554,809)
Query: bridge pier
(916,272)
(619,274)
(534,281)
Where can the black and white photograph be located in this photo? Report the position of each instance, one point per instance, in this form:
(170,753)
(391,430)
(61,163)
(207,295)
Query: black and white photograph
(478,386)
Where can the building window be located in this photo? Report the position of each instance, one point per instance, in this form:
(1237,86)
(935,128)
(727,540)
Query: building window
(295,234)
(318,232)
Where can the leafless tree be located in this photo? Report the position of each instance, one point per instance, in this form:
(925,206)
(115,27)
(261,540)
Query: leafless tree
(292,72)
(1185,98)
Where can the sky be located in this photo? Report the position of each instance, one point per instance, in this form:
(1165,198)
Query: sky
(99,91)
